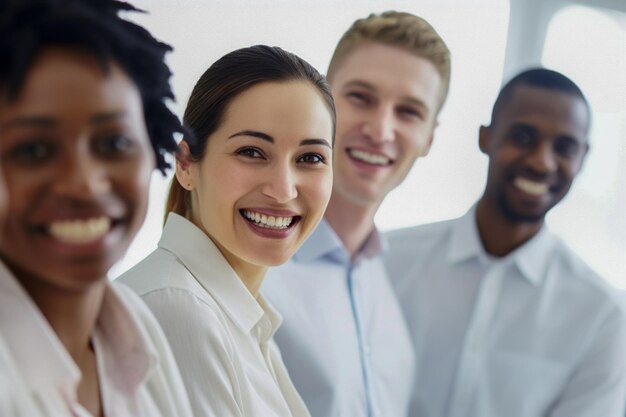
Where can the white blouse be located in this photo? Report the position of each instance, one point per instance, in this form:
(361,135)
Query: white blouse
(220,334)
(137,373)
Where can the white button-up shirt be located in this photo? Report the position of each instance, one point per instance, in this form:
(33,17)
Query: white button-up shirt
(220,334)
(343,339)
(533,334)
(136,370)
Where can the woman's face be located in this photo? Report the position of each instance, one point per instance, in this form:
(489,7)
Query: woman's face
(266,176)
(77,162)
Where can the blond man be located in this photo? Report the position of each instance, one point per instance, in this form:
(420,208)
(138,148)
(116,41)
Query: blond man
(343,338)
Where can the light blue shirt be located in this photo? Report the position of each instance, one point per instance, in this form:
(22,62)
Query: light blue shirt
(343,338)
(533,334)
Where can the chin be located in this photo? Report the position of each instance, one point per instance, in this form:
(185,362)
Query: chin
(275,261)
(517,215)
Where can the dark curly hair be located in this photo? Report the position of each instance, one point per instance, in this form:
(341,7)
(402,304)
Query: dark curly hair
(27,27)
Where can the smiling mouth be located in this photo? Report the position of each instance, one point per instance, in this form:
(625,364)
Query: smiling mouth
(80,231)
(369,158)
(270,222)
(531,187)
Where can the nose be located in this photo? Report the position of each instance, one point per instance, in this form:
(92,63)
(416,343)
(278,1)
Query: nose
(81,176)
(542,158)
(380,127)
(280,183)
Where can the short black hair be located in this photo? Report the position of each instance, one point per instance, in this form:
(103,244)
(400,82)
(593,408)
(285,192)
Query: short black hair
(541,78)
(27,27)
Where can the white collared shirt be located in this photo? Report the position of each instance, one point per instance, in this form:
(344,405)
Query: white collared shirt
(220,334)
(136,371)
(533,334)
(343,338)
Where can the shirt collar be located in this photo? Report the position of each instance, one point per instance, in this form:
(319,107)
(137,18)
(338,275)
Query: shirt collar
(274,318)
(325,242)
(207,264)
(531,258)
(131,355)
(39,354)
(128,354)
(464,240)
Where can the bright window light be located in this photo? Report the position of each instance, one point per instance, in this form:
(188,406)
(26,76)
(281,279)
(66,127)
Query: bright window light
(589,45)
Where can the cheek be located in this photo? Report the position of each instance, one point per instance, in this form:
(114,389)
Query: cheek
(23,193)
(133,183)
(415,142)
(316,192)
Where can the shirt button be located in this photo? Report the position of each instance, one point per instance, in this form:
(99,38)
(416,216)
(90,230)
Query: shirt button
(367,350)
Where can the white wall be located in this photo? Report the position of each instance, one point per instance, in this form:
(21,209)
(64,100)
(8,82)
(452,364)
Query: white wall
(442,185)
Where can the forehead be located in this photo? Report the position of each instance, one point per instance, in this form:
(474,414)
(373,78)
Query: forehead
(390,69)
(62,83)
(282,109)
(544,107)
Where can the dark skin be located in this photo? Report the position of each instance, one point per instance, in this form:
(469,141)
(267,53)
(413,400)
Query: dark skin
(77,162)
(536,148)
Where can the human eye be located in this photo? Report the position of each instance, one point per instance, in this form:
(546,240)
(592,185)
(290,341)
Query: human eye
(410,112)
(359,98)
(115,145)
(31,152)
(250,152)
(522,137)
(567,147)
(312,158)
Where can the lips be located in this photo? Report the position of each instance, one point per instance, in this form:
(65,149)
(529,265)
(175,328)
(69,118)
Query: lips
(369,157)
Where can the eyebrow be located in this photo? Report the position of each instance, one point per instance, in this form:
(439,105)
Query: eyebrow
(523,126)
(48,122)
(254,134)
(101,118)
(530,128)
(268,138)
(364,84)
(31,121)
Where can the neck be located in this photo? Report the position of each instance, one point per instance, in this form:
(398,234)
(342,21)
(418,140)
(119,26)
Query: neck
(251,276)
(72,314)
(499,235)
(353,223)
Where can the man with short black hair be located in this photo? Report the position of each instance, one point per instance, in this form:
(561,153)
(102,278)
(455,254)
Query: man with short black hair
(506,320)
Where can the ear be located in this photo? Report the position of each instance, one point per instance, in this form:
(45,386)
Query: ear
(184,173)
(484,136)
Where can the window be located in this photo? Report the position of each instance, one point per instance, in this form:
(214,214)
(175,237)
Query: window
(588,45)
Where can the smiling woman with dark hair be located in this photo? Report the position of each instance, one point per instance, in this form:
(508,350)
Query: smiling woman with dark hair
(248,191)
(83,124)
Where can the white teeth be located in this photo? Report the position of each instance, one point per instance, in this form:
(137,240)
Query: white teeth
(80,231)
(370,158)
(531,187)
(270,222)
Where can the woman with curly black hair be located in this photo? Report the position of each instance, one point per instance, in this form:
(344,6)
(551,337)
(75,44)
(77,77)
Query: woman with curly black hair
(83,123)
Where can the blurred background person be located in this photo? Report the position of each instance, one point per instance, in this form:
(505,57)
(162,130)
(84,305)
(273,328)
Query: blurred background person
(344,340)
(505,318)
(83,123)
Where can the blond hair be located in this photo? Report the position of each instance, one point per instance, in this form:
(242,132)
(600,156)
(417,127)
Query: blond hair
(402,30)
